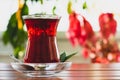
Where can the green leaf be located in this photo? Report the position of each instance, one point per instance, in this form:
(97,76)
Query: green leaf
(25,9)
(84,5)
(11,30)
(53,10)
(5,38)
(41,1)
(69,7)
(64,57)
(69,56)
(16,37)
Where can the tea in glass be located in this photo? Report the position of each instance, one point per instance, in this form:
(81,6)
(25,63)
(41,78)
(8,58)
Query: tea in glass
(41,46)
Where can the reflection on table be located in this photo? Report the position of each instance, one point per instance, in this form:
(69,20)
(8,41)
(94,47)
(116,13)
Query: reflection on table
(75,72)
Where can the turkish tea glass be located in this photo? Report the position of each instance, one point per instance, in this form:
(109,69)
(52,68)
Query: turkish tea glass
(41,46)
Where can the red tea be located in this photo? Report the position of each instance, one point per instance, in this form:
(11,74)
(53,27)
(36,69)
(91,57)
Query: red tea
(41,47)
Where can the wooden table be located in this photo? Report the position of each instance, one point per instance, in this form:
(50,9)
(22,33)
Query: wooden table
(76,72)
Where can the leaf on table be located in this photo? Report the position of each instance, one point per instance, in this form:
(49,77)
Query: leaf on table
(64,57)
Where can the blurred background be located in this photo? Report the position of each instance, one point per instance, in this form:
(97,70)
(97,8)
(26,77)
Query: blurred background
(92,11)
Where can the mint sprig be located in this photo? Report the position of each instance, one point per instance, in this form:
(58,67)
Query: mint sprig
(64,57)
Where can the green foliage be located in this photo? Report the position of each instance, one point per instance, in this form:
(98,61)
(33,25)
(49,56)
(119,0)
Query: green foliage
(16,37)
(69,7)
(64,57)
(84,5)
(25,10)
(41,1)
(53,10)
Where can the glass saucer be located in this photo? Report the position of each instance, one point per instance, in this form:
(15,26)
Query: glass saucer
(40,69)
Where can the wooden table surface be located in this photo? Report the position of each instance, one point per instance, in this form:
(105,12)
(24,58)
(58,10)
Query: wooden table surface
(75,72)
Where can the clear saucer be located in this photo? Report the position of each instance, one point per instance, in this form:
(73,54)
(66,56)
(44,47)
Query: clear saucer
(40,69)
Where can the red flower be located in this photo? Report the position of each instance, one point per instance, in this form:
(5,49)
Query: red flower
(101,49)
(107,24)
(74,31)
(118,57)
(88,29)
(85,53)
(87,32)
(79,29)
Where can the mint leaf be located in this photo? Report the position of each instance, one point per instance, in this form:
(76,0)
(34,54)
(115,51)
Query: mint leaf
(64,57)
(69,56)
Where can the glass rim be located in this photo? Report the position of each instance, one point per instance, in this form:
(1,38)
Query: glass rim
(41,16)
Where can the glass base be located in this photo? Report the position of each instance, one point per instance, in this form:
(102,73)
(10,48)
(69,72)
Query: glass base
(41,69)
